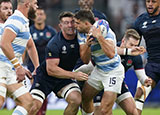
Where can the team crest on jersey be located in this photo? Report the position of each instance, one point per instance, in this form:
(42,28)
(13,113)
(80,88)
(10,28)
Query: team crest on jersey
(129,62)
(41,34)
(48,34)
(64,50)
(145,24)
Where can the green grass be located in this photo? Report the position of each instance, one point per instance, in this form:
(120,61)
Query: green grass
(146,111)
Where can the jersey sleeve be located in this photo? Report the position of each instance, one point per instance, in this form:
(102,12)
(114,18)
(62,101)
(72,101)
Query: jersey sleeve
(81,38)
(137,62)
(14,25)
(52,51)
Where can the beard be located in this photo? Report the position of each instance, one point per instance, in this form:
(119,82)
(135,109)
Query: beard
(31,13)
(154,11)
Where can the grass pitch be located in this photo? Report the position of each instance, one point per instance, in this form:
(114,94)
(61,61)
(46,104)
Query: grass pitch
(146,111)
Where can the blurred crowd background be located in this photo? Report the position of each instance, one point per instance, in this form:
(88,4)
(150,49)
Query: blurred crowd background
(120,13)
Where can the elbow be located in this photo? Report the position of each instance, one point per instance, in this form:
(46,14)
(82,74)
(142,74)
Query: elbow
(49,71)
(85,61)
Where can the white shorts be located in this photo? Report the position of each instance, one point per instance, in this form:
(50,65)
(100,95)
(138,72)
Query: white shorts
(110,81)
(7,74)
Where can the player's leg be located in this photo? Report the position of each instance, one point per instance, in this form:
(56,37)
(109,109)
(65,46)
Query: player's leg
(3,83)
(88,94)
(97,102)
(90,89)
(112,82)
(141,94)
(126,101)
(22,97)
(43,108)
(107,102)
(152,70)
(3,91)
(72,94)
(39,91)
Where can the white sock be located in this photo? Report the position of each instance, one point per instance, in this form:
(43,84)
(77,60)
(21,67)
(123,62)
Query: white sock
(146,90)
(84,113)
(19,110)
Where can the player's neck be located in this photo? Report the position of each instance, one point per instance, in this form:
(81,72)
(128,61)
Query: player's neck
(24,11)
(1,21)
(39,26)
(69,37)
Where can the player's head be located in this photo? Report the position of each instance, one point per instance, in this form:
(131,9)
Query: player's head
(5,9)
(66,23)
(131,39)
(86,4)
(83,20)
(32,9)
(30,5)
(152,7)
(40,16)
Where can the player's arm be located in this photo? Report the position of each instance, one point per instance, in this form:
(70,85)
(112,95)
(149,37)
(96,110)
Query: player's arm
(32,52)
(85,50)
(128,51)
(107,45)
(54,70)
(143,78)
(6,45)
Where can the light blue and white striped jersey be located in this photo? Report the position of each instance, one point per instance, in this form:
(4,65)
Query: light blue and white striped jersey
(19,24)
(98,56)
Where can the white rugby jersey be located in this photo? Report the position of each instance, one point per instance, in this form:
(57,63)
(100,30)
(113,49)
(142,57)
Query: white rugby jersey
(102,61)
(19,24)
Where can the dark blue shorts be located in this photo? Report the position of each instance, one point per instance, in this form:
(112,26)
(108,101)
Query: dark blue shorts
(98,97)
(153,71)
(47,84)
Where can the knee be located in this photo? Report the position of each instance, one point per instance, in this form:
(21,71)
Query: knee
(106,109)
(25,100)
(74,99)
(132,112)
(35,107)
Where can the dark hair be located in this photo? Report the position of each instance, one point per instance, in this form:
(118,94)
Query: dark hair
(132,33)
(4,1)
(40,8)
(65,14)
(85,15)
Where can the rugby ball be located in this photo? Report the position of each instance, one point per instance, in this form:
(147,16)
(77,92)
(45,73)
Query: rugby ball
(103,25)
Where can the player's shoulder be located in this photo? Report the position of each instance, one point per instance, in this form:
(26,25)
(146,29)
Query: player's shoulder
(50,28)
(99,14)
(142,17)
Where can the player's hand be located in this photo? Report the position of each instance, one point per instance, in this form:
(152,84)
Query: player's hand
(28,73)
(148,82)
(20,72)
(80,76)
(89,40)
(96,32)
(138,51)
